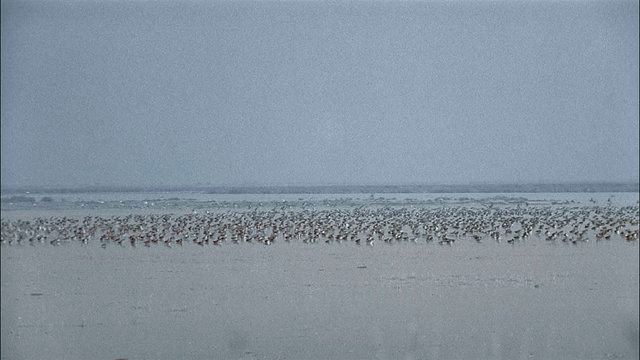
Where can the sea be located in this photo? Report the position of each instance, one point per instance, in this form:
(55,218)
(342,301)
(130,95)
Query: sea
(188,199)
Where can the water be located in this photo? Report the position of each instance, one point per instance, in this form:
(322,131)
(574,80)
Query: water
(199,200)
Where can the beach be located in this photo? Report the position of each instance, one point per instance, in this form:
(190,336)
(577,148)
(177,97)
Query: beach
(302,180)
(401,299)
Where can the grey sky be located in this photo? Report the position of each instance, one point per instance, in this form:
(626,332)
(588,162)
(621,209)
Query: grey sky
(144,93)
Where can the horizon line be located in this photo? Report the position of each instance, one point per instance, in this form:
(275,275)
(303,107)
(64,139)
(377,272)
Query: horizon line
(547,186)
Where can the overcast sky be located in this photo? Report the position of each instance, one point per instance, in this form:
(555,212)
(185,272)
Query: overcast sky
(266,93)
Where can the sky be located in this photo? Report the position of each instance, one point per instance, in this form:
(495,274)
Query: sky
(318,93)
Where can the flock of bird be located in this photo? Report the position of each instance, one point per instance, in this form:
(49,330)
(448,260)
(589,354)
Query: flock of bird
(358,225)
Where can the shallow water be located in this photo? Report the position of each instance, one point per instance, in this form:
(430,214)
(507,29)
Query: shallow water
(310,301)
(188,200)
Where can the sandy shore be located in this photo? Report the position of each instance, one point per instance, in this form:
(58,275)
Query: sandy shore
(533,299)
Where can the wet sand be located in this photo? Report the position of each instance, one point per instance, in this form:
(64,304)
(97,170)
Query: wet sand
(531,299)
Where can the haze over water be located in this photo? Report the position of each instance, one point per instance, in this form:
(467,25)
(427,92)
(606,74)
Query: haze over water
(317,93)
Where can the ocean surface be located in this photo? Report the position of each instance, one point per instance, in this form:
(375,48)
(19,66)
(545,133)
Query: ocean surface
(181,200)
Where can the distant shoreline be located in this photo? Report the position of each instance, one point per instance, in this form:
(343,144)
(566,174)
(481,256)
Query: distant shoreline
(588,187)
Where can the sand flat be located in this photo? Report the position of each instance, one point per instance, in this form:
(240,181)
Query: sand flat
(532,299)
